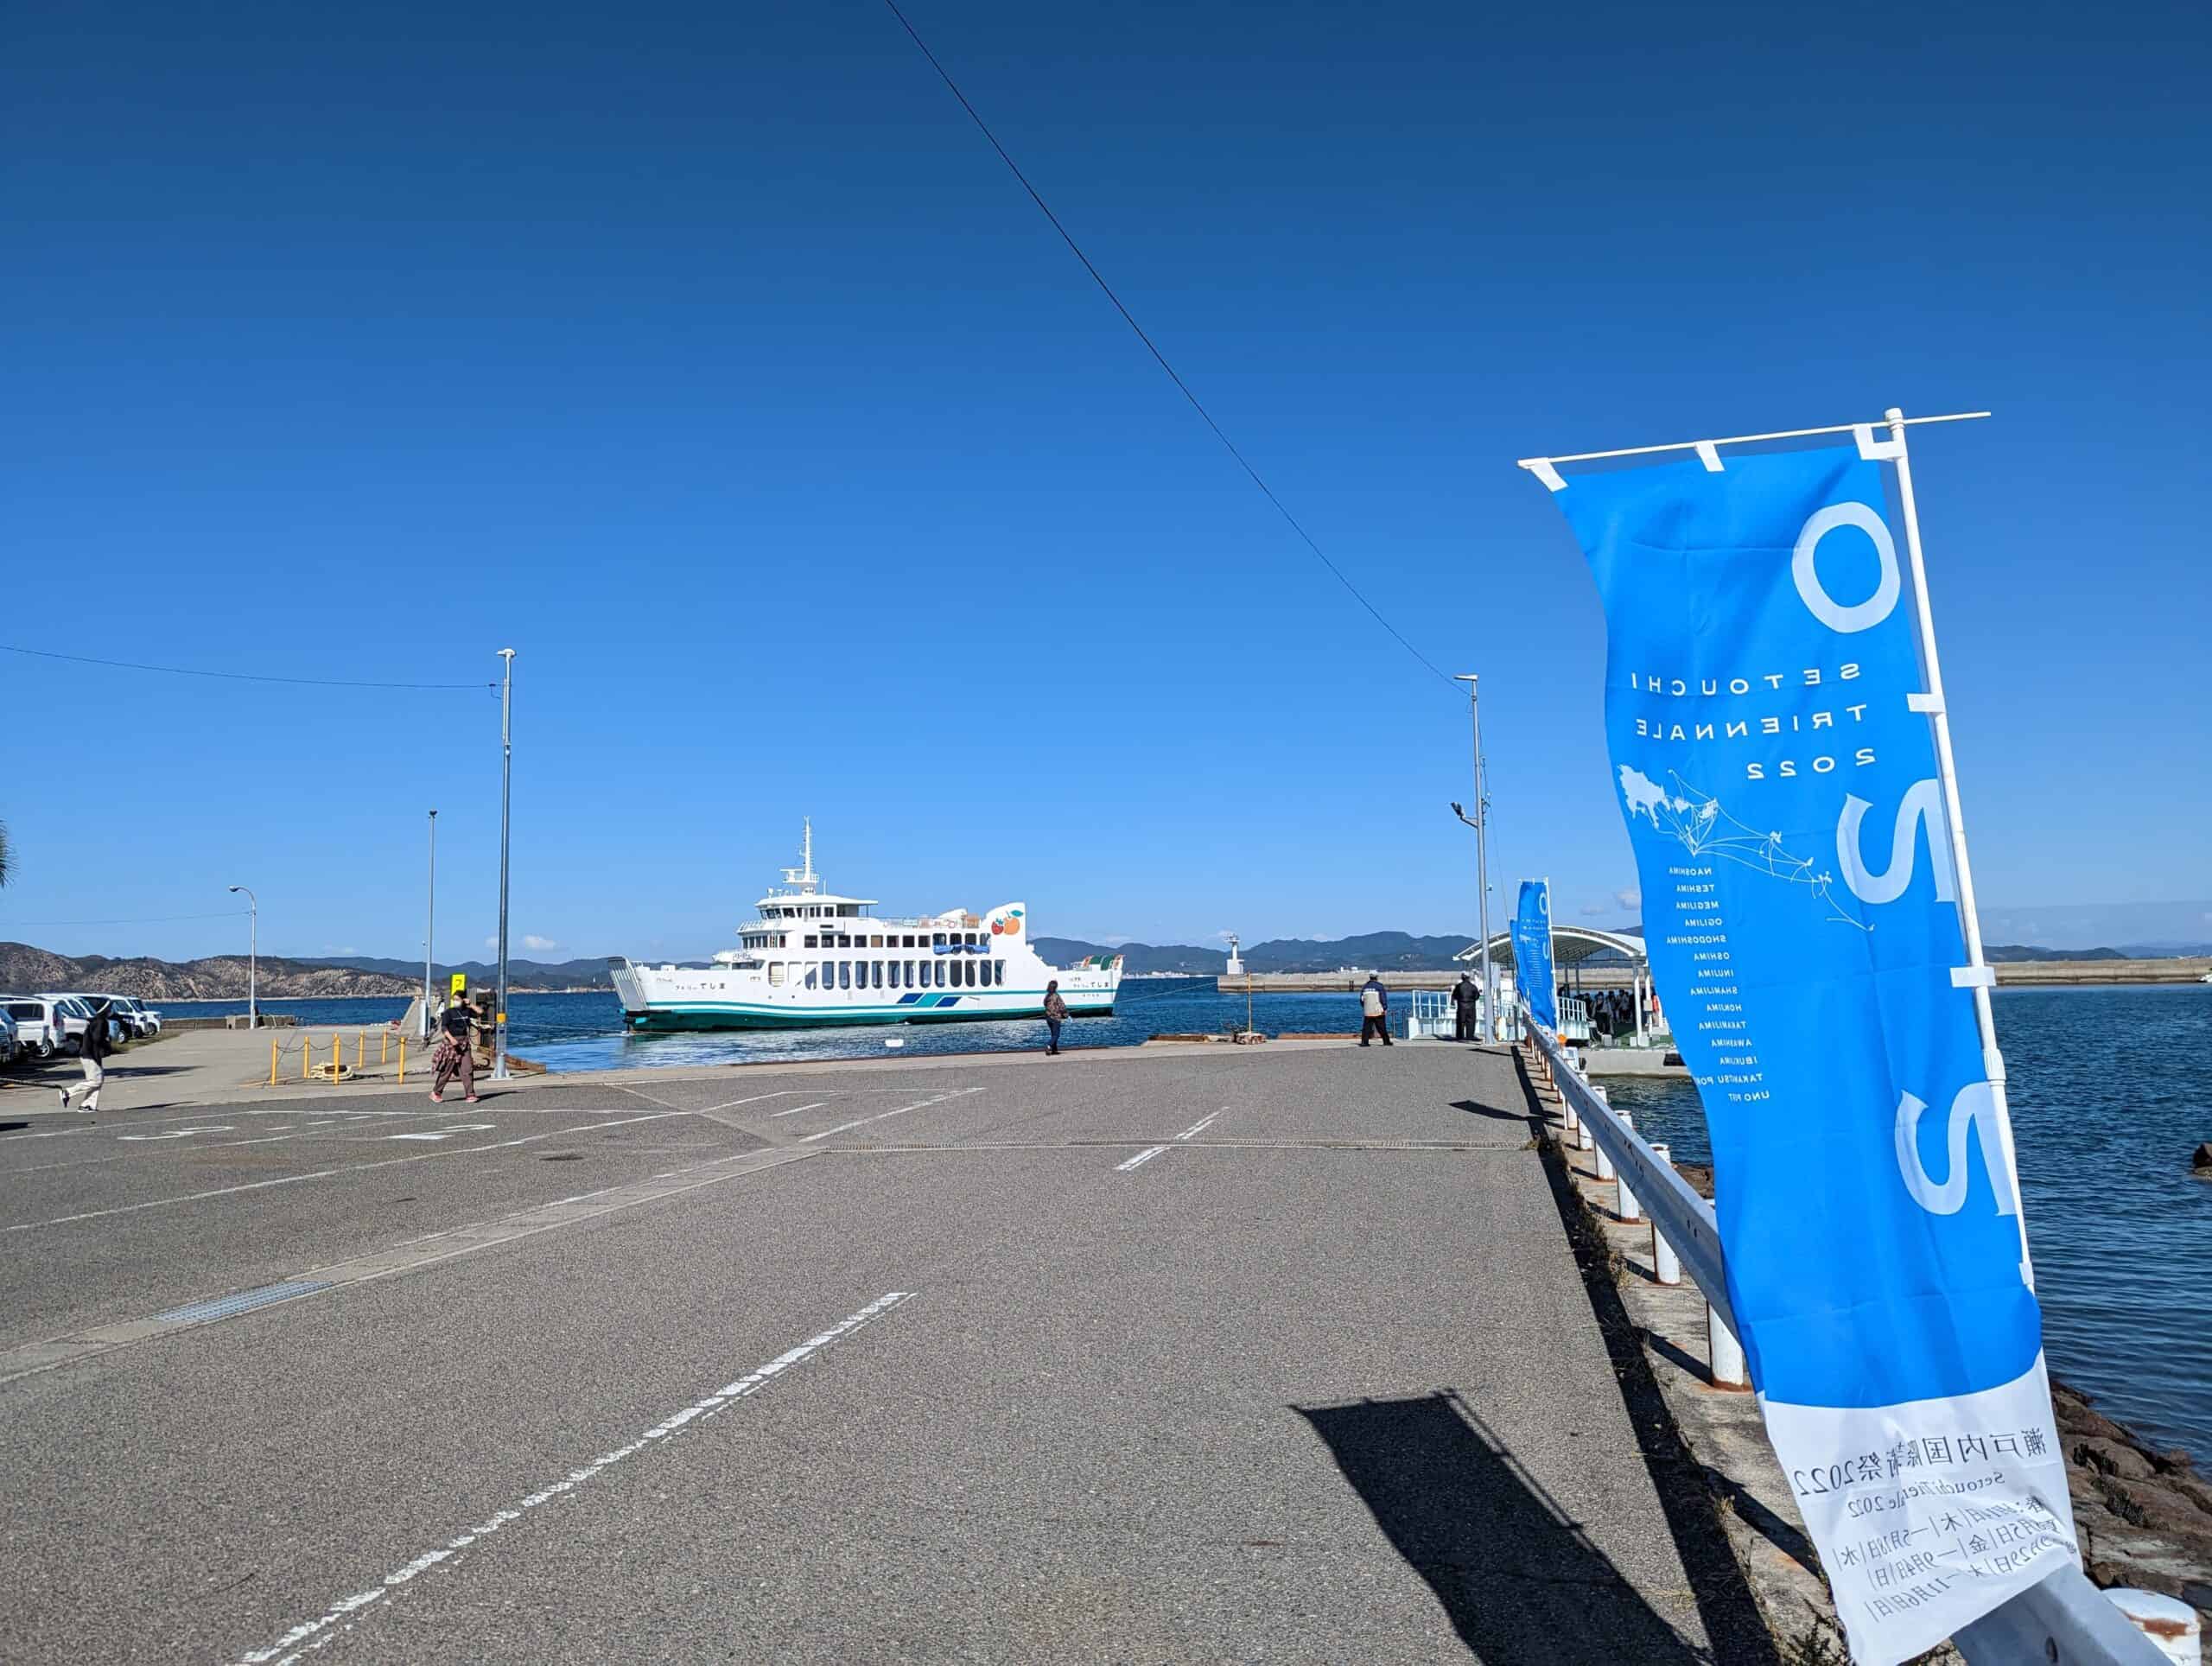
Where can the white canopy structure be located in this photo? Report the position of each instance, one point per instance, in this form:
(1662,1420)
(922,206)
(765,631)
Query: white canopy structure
(1584,951)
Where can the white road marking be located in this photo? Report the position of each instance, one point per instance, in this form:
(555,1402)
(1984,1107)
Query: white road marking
(179,1133)
(1200,1126)
(885,1116)
(780,1093)
(446,1133)
(794,1110)
(345,1168)
(1139,1160)
(316,1632)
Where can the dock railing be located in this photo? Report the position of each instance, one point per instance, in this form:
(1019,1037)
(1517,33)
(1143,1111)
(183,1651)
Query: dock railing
(2064,1619)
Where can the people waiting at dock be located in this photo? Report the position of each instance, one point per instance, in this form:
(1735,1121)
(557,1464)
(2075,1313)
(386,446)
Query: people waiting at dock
(93,1053)
(1056,1014)
(455,1055)
(1374,1010)
(1466,996)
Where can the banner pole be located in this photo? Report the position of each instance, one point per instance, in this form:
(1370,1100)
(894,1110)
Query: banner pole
(1962,873)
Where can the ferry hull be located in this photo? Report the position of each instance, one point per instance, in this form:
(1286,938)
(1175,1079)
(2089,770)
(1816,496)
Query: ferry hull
(664,1019)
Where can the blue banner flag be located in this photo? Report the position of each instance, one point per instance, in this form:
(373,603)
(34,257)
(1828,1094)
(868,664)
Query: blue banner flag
(1532,953)
(1775,756)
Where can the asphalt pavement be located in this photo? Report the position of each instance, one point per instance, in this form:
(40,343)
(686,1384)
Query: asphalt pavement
(1270,1354)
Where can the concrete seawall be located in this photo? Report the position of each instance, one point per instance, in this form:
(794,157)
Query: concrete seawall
(2093,972)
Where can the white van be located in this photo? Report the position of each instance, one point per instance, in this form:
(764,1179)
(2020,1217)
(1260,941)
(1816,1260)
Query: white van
(39,1030)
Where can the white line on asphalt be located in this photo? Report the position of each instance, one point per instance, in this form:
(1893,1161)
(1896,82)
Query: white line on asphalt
(346,1168)
(1139,1160)
(794,1110)
(1200,1126)
(316,1631)
(885,1116)
(179,1133)
(446,1133)
(780,1093)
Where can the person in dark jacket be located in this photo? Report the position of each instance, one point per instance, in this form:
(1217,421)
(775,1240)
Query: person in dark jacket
(1374,1010)
(1056,1014)
(93,1052)
(1466,997)
(456,1056)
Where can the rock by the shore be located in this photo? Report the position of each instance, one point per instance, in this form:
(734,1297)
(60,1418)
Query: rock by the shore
(2145,1516)
(2202,1161)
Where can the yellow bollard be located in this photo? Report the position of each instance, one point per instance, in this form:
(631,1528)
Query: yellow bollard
(307,1059)
(272,1063)
(403,1061)
(383,1048)
(360,1051)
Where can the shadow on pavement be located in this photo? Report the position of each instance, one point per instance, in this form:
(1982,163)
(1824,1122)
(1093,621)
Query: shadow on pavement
(1520,1581)
(1725,1601)
(1476,1107)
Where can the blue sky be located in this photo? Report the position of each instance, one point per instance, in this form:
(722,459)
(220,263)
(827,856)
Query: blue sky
(706,356)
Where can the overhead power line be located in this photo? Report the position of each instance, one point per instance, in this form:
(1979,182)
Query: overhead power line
(1152,347)
(143,919)
(238,676)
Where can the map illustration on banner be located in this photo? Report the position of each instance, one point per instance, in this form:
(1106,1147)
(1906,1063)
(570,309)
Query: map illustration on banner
(1771,732)
(1532,971)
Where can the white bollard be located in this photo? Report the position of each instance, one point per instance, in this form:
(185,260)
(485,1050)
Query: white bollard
(1627,1208)
(1666,1265)
(1724,1353)
(2173,1626)
(1602,1163)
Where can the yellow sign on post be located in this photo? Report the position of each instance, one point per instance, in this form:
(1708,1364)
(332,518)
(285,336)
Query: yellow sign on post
(461,985)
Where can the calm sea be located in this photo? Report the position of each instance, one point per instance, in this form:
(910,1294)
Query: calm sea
(2111,1090)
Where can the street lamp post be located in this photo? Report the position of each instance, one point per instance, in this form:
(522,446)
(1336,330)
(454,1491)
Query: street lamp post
(506,771)
(430,925)
(253,958)
(1481,824)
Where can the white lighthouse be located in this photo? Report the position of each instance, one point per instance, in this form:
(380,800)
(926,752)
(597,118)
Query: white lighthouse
(1236,967)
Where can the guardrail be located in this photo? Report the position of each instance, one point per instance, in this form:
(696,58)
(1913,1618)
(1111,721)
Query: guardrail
(2064,1619)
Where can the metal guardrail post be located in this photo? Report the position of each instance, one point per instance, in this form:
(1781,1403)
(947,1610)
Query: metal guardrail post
(1604,1164)
(1625,1207)
(2063,1620)
(1724,1354)
(1666,1265)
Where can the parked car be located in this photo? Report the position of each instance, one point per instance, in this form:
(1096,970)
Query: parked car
(39,1030)
(8,1046)
(75,1012)
(137,1023)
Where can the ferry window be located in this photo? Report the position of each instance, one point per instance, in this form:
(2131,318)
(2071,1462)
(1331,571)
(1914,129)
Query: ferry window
(941,979)
(776,973)
(875,973)
(812,944)
(937,939)
(810,979)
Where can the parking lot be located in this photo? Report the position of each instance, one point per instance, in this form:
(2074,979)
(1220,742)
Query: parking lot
(1197,1356)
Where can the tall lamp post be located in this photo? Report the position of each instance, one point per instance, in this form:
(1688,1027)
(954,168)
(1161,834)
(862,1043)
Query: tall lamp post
(430,925)
(1480,822)
(506,771)
(253,958)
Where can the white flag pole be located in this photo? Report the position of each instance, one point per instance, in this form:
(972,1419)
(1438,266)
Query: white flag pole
(1975,974)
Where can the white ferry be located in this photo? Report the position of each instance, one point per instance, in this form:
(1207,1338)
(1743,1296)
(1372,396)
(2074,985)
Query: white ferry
(814,957)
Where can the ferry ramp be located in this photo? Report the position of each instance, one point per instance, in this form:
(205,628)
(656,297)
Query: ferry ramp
(1272,1354)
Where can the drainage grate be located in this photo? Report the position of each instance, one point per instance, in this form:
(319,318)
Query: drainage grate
(244,1301)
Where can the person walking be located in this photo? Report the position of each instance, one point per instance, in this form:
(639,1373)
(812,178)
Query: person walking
(92,1051)
(455,1055)
(1466,994)
(1374,1010)
(1056,1014)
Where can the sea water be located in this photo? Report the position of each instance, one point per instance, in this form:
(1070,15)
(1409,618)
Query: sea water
(2111,1089)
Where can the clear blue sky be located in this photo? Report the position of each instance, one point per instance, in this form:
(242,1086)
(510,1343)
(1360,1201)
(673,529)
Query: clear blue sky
(705,355)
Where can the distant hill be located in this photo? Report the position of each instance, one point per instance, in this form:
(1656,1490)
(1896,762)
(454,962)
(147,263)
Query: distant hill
(2027,951)
(1376,950)
(1137,958)
(26,970)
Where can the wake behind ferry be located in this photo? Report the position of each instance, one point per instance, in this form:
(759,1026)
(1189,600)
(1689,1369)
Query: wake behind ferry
(814,957)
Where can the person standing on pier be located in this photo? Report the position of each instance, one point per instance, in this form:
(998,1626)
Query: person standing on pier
(92,1053)
(1465,994)
(455,1057)
(1374,1010)
(1056,1014)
